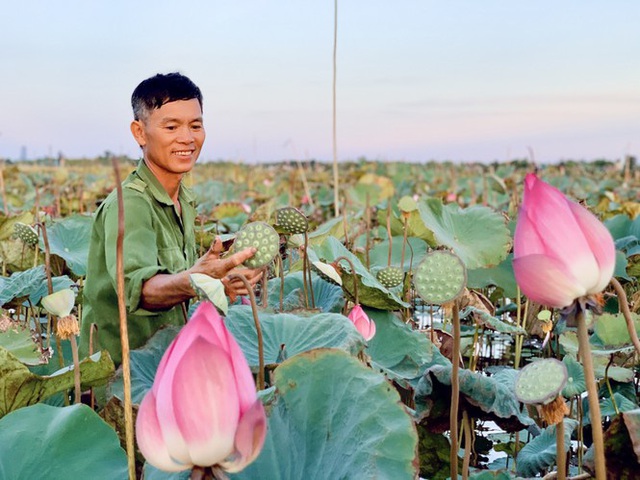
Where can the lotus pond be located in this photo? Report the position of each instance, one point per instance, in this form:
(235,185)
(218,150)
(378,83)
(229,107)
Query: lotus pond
(460,373)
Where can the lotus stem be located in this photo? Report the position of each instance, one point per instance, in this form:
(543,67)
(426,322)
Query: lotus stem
(47,269)
(367,210)
(592,396)
(455,390)
(405,233)
(92,331)
(608,383)
(336,176)
(260,385)
(624,308)
(281,275)
(561,456)
(389,232)
(76,370)
(307,269)
(3,190)
(466,426)
(355,277)
(124,332)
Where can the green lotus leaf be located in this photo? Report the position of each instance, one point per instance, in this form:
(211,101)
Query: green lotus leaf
(21,284)
(144,363)
(576,384)
(334,418)
(500,276)
(478,235)
(69,239)
(414,252)
(401,353)
(327,297)
(494,399)
(612,330)
(71,442)
(540,453)
(607,407)
(20,343)
(58,283)
(333,228)
(20,388)
(490,322)
(296,333)
(370,291)
(7,224)
(415,226)
(211,289)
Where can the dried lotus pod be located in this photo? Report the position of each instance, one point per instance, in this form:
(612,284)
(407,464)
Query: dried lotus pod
(390,277)
(292,220)
(440,278)
(26,233)
(263,238)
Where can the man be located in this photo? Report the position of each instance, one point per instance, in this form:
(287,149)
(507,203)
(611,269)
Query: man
(159,212)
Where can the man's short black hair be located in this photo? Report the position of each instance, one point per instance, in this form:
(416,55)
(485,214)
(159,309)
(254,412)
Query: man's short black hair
(154,92)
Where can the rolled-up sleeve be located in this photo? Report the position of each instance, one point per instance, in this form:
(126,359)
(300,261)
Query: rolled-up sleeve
(140,247)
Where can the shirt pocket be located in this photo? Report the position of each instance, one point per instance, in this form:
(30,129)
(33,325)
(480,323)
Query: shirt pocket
(172,259)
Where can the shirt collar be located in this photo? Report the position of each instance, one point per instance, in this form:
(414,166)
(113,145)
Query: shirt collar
(157,190)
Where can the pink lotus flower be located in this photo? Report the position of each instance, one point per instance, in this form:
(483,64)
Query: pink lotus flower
(202,409)
(562,252)
(362,322)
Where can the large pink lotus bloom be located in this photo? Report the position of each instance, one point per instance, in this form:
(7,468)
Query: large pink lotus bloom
(562,252)
(362,322)
(202,409)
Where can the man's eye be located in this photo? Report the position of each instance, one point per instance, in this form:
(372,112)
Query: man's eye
(196,127)
(170,127)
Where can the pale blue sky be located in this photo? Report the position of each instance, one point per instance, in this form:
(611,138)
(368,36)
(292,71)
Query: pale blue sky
(417,79)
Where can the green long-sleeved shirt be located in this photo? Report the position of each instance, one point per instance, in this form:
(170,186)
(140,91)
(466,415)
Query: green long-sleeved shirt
(156,240)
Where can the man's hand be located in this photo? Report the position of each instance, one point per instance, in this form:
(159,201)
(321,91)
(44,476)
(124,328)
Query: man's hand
(235,286)
(211,264)
(214,266)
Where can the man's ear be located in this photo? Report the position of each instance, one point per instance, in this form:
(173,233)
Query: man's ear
(137,129)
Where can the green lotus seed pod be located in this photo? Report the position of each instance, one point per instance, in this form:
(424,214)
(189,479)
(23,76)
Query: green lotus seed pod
(26,233)
(263,237)
(440,278)
(292,220)
(390,277)
(541,381)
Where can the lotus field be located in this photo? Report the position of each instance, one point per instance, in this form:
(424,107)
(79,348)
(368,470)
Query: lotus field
(437,321)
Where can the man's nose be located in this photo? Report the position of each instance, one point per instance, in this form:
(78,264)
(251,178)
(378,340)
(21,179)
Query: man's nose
(186,135)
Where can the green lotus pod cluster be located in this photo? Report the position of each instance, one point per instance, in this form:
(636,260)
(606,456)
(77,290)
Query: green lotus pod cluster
(541,381)
(390,277)
(26,233)
(440,278)
(292,220)
(263,237)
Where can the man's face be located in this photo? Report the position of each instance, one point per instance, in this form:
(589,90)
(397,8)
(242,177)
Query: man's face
(171,137)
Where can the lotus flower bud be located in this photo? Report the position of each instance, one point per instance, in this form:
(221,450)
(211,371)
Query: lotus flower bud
(562,252)
(362,322)
(203,408)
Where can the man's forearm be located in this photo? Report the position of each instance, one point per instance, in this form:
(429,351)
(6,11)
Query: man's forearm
(164,291)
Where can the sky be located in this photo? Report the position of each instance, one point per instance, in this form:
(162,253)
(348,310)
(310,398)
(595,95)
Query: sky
(416,80)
